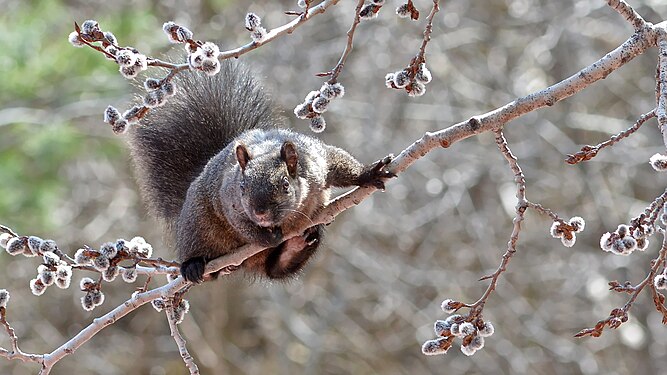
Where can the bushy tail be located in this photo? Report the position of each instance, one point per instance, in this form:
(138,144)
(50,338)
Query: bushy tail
(174,142)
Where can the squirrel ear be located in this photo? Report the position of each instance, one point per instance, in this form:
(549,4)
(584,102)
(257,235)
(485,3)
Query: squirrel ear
(242,156)
(289,155)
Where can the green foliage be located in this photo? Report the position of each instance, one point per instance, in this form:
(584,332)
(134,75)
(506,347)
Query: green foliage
(47,79)
(32,182)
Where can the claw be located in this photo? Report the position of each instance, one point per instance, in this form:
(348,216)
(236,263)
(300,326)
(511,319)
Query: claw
(311,242)
(312,236)
(375,175)
(193,269)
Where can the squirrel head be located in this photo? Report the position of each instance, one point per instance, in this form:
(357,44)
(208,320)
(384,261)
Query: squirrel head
(269,185)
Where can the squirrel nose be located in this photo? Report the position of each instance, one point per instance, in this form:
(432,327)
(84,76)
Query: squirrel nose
(261,214)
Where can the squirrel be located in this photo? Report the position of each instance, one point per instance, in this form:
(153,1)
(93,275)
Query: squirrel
(217,165)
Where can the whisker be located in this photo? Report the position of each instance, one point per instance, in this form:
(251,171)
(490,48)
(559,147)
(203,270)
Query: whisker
(298,212)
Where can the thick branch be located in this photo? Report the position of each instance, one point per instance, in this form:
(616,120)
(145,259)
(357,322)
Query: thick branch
(107,319)
(490,121)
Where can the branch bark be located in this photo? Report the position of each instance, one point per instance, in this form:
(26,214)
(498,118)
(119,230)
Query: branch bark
(180,342)
(637,44)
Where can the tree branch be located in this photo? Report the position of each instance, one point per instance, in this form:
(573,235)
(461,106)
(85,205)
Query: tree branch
(619,316)
(279,31)
(15,352)
(520,213)
(180,342)
(490,121)
(349,45)
(630,15)
(108,319)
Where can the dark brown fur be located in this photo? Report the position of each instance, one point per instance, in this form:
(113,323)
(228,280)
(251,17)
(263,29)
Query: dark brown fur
(214,168)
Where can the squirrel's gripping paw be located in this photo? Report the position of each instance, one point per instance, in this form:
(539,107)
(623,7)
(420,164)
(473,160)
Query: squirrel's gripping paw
(270,237)
(375,174)
(193,269)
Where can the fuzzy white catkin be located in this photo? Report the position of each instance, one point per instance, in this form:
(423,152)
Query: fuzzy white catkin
(487,330)
(4,238)
(87,302)
(568,242)
(15,246)
(4,298)
(158,304)
(97,297)
(434,347)
(86,283)
(129,275)
(466,328)
(89,26)
(252,21)
(258,35)
(74,39)
(446,306)
(658,162)
(50,258)
(37,287)
(468,350)
(477,343)
(403,11)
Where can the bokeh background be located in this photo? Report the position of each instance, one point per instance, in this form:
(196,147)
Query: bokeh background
(368,301)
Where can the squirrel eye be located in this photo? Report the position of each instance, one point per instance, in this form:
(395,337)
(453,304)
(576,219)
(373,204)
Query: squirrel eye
(285,183)
(242,185)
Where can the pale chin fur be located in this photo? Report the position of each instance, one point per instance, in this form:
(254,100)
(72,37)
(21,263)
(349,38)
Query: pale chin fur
(265,224)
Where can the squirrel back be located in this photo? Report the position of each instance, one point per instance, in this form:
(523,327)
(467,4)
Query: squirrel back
(174,142)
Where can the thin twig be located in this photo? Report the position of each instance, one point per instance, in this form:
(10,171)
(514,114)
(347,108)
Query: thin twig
(519,216)
(180,342)
(661,86)
(279,31)
(4,229)
(619,316)
(630,15)
(655,208)
(543,210)
(348,47)
(146,283)
(15,352)
(589,152)
(428,30)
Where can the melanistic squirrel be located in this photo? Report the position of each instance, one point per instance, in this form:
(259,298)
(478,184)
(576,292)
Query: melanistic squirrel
(214,166)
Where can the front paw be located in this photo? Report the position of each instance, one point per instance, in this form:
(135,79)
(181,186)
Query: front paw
(312,237)
(193,269)
(271,237)
(376,174)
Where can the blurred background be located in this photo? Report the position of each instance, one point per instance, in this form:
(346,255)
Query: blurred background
(369,300)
